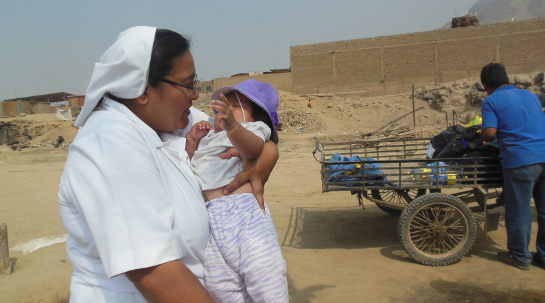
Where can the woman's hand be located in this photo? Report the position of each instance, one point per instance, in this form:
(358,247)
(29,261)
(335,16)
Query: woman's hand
(256,171)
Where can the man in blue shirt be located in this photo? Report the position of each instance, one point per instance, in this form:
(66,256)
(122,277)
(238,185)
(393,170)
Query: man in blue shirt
(514,117)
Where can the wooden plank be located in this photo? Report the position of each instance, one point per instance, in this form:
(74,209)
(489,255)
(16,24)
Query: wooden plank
(481,195)
(5,262)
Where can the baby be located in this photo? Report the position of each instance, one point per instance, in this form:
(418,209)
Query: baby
(243,261)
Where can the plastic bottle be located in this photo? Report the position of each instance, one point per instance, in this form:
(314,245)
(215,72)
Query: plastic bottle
(447,175)
(421,175)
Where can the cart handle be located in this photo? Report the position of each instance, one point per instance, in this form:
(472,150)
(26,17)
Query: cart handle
(320,147)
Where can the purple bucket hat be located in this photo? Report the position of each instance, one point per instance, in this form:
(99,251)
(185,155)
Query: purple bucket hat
(262,94)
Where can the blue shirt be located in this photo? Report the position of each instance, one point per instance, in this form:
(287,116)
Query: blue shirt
(520,123)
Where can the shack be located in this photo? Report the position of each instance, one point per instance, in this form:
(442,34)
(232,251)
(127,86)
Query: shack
(35,104)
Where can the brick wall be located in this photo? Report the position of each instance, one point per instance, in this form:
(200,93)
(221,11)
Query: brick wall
(76,101)
(392,64)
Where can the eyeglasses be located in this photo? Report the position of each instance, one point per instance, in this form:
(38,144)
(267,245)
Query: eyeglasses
(190,87)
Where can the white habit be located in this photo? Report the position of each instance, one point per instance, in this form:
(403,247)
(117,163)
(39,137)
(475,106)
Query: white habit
(138,207)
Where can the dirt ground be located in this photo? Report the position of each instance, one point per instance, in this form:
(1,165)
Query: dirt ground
(336,252)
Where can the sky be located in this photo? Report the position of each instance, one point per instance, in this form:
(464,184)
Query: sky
(51,46)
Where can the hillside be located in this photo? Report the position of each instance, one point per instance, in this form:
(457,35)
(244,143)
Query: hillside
(497,11)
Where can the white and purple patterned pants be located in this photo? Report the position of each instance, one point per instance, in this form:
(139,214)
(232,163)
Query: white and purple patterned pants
(243,261)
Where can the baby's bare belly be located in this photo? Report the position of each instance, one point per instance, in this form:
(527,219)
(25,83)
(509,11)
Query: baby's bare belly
(218,192)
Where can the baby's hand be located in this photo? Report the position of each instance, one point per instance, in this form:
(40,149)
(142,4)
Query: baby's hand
(226,117)
(199,130)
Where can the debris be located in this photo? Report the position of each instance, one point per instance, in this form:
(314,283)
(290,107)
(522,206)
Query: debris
(523,80)
(60,140)
(539,78)
(465,21)
(19,146)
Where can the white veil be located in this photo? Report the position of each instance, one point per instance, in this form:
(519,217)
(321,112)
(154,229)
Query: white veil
(122,70)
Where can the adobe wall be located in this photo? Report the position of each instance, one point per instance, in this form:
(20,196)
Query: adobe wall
(280,81)
(11,108)
(391,64)
(38,108)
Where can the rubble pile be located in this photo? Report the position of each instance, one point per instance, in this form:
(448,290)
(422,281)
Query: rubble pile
(299,121)
(19,134)
(447,97)
(465,21)
(19,131)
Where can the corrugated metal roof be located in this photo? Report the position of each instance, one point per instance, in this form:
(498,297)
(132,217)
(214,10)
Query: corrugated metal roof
(54,97)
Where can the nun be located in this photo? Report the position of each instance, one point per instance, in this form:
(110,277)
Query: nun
(134,212)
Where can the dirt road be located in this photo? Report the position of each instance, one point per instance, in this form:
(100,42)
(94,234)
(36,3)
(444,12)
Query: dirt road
(336,252)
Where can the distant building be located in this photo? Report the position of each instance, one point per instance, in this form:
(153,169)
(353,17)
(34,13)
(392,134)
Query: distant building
(76,101)
(257,73)
(278,71)
(279,78)
(240,75)
(54,97)
(47,103)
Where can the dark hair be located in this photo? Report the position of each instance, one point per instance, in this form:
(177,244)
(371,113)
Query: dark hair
(494,75)
(259,114)
(167,46)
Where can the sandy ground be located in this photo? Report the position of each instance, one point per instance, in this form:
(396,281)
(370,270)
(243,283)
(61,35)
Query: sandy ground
(336,252)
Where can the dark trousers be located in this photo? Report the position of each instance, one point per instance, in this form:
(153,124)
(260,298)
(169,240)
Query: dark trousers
(519,185)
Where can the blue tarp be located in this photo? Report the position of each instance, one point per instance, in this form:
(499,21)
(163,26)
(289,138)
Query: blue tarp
(352,173)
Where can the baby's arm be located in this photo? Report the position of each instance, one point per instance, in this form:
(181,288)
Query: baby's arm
(248,145)
(194,136)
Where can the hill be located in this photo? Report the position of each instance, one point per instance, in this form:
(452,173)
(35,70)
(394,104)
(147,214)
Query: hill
(497,11)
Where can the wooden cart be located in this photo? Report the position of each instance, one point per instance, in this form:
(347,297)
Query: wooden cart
(435,228)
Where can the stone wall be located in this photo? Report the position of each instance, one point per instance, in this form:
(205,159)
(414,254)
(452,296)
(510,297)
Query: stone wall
(391,64)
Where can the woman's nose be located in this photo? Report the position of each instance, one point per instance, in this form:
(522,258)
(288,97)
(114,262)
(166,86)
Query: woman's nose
(195,94)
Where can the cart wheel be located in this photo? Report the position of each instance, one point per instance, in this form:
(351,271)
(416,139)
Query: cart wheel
(393,196)
(437,229)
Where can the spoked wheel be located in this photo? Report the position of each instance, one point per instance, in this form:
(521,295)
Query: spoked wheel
(437,229)
(397,197)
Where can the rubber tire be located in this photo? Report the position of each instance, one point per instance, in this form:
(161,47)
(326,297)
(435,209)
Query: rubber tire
(426,200)
(392,211)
